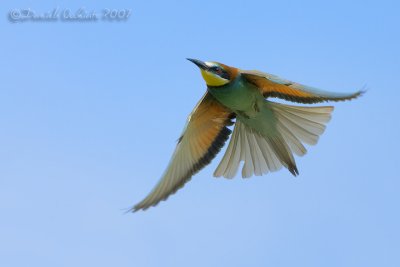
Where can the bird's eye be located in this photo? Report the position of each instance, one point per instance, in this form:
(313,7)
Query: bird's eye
(217,69)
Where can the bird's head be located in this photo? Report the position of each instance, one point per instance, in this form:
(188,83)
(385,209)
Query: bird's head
(215,74)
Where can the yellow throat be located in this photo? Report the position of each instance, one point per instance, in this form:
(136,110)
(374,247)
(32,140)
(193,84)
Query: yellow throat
(213,79)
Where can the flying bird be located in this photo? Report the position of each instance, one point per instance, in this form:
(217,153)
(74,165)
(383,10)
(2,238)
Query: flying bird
(265,136)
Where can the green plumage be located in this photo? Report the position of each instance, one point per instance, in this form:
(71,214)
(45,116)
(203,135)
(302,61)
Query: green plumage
(256,113)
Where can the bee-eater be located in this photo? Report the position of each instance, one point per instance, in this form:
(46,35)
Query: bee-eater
(265,136)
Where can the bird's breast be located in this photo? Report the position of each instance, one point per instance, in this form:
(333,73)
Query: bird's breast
(239,96)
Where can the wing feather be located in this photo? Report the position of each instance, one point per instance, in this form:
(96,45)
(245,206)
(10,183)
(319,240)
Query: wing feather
(274,86)
(268,151)
(203,137)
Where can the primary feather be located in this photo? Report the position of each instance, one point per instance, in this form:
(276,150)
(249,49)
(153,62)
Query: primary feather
(203,137)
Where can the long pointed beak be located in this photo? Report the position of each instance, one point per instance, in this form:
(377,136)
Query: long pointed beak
(198,63)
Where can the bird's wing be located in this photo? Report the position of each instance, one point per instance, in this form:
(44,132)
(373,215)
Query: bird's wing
(266,143)
(273,86)
(203,137)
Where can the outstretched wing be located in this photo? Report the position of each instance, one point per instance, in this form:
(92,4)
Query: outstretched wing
(273,86)
(269,143)
(203,137)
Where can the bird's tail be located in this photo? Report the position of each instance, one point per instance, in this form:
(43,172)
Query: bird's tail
(267,142)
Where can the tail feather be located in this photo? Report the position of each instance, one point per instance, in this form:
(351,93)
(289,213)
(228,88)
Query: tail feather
(267,144)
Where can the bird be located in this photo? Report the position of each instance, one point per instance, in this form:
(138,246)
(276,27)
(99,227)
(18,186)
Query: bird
(266,134)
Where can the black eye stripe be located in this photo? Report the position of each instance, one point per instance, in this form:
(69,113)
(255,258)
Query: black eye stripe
(215,68)
(219,71)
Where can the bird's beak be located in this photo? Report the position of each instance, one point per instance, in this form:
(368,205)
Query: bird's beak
(199,63)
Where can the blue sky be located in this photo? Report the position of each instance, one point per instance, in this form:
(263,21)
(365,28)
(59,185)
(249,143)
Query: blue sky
(90,114)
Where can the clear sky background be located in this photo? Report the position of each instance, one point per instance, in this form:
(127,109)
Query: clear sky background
(90,114)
